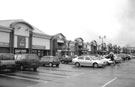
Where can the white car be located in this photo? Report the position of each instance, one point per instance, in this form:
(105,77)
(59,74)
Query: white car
(88,61)
(107,60)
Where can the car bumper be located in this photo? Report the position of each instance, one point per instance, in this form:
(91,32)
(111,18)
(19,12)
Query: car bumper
(7,66)
(101,65)
(56,63)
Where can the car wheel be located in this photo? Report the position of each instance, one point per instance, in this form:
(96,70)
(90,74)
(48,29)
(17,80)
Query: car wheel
(95,65)
(50,64)
(77,64)
(108,63)
(67,62)
(62,62)
(12,70)
(43,64)
(22,68)
(34,69)
(57,65)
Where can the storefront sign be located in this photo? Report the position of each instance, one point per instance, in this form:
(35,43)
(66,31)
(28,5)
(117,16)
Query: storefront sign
(60,41)
(21,42)
(38,47)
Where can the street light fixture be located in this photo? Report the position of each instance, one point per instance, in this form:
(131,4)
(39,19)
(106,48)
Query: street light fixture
(102,38)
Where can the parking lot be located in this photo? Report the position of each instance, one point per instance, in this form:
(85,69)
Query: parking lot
(67,75)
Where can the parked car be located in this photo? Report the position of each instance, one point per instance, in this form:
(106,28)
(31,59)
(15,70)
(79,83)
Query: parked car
(132,56)
(66,59)
(88,61)
(125,56)
(24,61)
(117,58)
(7,61)
(50,60)
(107,60)
(128,57)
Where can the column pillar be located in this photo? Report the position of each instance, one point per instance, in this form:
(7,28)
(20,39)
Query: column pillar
(11,44)
(30,41)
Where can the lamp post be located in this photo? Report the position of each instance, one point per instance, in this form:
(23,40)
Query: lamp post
(102,38)
(69,47)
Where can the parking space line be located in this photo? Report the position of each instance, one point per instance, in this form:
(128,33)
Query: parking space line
(50,74)
(22,78)
(109,82)
(53,75)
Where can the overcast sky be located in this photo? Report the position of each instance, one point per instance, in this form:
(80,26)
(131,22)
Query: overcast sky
(77,18)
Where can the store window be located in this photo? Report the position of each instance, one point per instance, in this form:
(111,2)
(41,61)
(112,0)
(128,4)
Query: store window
(21,51)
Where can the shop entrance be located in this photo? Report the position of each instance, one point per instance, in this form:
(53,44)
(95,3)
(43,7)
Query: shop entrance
(41,53)
(20,51)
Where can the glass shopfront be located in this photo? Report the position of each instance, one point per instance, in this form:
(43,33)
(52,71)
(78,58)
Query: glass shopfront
(41,53)
(20,51)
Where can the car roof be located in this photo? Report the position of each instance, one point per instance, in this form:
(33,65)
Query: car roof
(48,56)
(25,54)
(6,54)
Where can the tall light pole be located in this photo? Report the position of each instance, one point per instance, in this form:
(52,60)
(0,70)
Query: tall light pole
(69,47)
(102,38)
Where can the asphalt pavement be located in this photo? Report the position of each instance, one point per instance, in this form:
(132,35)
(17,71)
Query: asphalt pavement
(67,75)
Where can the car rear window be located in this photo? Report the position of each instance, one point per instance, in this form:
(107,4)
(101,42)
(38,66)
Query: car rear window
(55,58)
(6,57)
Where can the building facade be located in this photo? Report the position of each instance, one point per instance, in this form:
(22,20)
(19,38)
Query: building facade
(5,39)
(79,44)
(58,45)
(71,47)
(18,36)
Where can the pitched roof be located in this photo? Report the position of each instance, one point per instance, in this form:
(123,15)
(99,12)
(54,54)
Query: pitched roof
(6,23)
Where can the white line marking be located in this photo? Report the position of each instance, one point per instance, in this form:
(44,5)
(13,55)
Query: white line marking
(17,77)
(109,82)
(51,74)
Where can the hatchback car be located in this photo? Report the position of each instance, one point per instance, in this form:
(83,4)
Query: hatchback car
(88,61)
(50,60)
(7,61)
(66,59)
(24,61)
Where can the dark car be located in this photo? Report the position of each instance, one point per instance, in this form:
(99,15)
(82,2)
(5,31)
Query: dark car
(50,60)
(67,59)
(128,57)
(7,61)
(24,61)
(125,56)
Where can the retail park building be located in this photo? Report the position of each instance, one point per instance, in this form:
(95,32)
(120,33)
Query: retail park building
(18,36)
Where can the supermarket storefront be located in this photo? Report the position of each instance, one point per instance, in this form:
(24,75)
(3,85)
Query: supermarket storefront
(19,37)
(41,44)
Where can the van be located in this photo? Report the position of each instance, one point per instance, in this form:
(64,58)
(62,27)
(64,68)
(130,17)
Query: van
(24,61)
(7,61)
